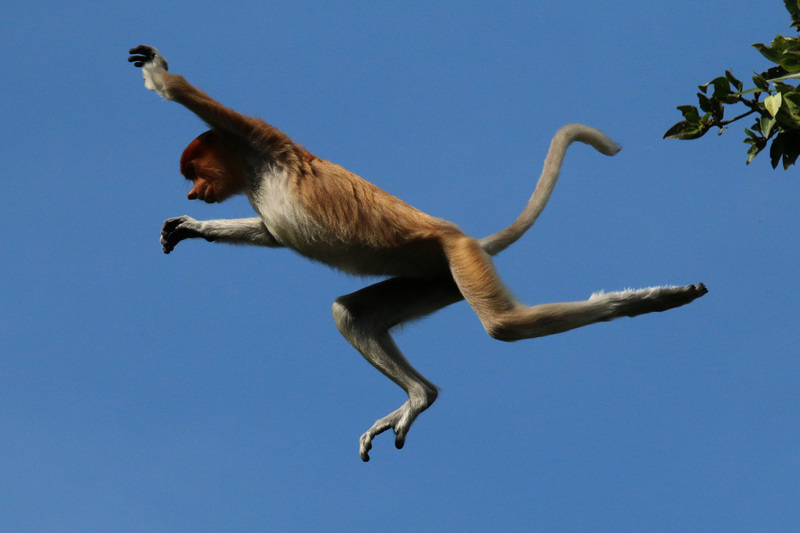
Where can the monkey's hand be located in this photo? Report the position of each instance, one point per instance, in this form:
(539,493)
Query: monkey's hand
(177,229)
(143,55)
(153,65)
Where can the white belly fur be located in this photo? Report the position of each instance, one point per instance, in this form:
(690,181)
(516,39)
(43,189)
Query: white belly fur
(282,214)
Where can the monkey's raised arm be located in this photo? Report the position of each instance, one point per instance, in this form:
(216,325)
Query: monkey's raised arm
(175,87)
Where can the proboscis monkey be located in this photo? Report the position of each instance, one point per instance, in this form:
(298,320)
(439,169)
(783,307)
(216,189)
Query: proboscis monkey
(330,215)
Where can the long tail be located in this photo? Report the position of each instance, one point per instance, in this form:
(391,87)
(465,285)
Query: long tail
(496,243)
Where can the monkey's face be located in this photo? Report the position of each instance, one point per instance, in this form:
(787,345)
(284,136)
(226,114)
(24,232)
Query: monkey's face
(211,164)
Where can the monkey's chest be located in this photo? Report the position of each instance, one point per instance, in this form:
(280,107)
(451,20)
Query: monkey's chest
(283,214)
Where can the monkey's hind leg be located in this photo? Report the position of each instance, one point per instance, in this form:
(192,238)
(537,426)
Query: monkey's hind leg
(506,319)
(365,317)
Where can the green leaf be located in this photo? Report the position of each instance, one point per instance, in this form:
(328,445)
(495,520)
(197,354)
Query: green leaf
(780,44)
(773,103)
(760,82)
(733,81)
(793,7)
(754,90)
(782,51)
(783,88)
(785,149)
(766,124)
(675,131)
(690,113)
(791,149)
(768,52)
(791,63)
(786,48)
(705,103)
(774,72)
(722,87)
(719,110)
(789,117)
(686,131)
(756,145)
(751,154)
(776,150)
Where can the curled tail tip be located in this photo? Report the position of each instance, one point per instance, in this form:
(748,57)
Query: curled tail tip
(605,145)
(591,136)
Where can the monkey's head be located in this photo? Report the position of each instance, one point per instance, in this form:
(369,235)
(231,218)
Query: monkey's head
(211,163)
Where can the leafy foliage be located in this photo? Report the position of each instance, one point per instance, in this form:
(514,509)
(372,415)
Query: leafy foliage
(777,116)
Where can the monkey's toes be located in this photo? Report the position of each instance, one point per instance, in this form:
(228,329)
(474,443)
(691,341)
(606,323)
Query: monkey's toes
(683,295)
(365,445)
(692,292)
(701,289)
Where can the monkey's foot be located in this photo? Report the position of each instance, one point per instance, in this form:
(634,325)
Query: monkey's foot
(653,299)
(399,421)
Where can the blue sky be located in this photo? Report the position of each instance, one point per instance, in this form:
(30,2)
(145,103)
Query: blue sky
(209,390)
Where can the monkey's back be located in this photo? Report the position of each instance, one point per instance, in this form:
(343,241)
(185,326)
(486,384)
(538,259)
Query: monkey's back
(344,221)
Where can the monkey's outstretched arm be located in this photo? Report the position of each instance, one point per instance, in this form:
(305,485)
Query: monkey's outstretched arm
(175,87)
(237,231)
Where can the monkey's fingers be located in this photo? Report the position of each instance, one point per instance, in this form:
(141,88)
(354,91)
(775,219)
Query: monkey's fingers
(169,239)
(172,223)
(166,247)
(167,244)
(139,61)
(140,55)
(143,50)
(177,229)
(364,448)
(143,54)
